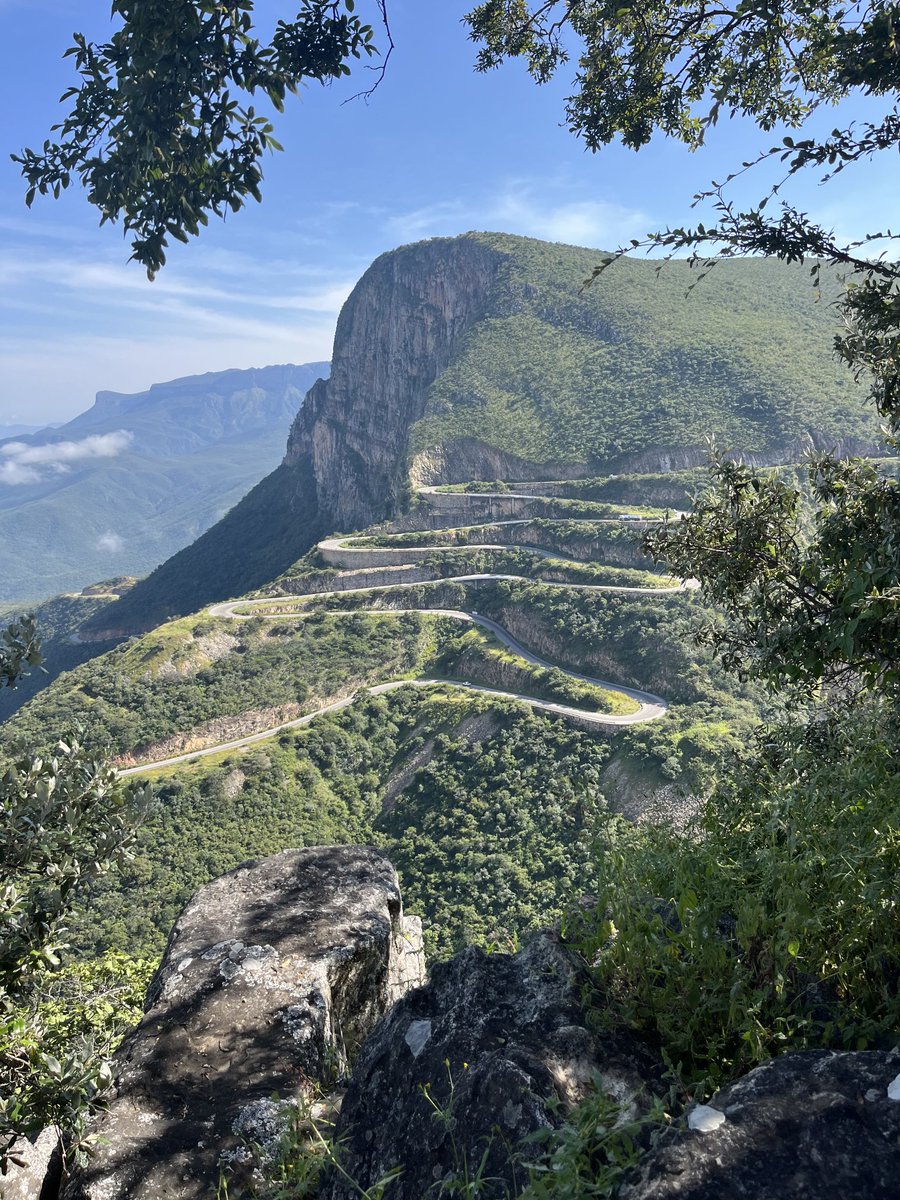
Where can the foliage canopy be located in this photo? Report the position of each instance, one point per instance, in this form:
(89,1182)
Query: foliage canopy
(64,818)
(158,132)
(673,65)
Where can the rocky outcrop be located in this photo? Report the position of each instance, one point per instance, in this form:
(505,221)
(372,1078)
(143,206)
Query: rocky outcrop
(806,1126)
(460,459)
(278,972)
(794,450)
(395,335)
(272,976)
(643,796)
(33,1167)
(493,1049)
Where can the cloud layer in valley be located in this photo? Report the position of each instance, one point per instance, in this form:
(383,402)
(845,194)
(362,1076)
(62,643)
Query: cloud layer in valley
(110,542)
(21,463)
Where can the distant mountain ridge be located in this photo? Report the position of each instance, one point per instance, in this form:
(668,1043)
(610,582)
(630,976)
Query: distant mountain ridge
(127,483)
(12,431)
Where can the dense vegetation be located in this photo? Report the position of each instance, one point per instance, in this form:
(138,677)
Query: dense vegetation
(746,358)
(191,673)
(646,641)
(794,869)
(492,836)
(192,681)
(200,679)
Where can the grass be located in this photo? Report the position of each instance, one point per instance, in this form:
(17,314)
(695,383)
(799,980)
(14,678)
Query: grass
(477,657)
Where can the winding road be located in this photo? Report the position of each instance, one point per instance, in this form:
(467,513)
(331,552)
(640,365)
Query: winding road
(342,551)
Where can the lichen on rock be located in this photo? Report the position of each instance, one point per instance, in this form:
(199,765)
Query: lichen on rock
(272,976)
(494,1048)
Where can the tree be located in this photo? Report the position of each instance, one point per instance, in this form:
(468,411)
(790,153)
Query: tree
(792,850)
(156,133)
(805,597)
(673,65)
(157,138)
(19,649)
(64,818)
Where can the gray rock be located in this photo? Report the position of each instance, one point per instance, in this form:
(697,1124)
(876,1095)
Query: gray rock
(499,1044)
(807,1126)
(34,1168)
(272,977)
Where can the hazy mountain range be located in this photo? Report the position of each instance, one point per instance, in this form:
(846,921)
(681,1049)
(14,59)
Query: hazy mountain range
(126,484)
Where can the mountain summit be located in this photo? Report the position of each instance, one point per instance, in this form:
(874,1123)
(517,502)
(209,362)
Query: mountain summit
(486,356)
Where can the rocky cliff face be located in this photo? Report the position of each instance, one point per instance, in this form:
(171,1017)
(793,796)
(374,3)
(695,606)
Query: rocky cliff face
(272,977)
(454,332)
(395,335)
(793,450)
(277,973)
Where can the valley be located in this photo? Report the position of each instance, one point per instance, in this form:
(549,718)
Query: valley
(467,768)
(606,704)
(463,659)
(124,485)
(441,629)
(494,593)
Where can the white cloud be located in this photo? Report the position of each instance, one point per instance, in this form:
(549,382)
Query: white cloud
(579,222)
(22,463)
(13,473)
(77,319)
(110,541)
(540,210)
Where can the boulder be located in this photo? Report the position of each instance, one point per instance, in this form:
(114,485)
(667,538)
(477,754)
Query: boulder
(493,1049)
(272,976)
(812,1125)
(34,1167)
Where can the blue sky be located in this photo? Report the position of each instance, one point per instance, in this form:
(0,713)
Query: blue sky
(437,150)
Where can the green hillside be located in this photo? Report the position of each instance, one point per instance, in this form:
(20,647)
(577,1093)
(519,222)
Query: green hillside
(429,773)
(485,870)
(560,373)
(490,679)
(631,373)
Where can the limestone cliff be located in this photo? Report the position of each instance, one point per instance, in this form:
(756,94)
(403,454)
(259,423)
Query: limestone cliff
(482,356)
(395,335)
(346,462)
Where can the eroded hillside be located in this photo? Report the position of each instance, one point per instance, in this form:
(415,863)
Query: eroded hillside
(483,357)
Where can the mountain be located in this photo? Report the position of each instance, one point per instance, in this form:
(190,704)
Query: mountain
(484,682)
(126,484)
(484,356)
(11,431)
